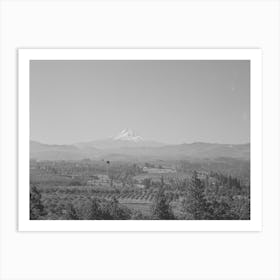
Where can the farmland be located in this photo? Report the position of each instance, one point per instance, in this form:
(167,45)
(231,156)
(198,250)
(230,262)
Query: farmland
(134,187)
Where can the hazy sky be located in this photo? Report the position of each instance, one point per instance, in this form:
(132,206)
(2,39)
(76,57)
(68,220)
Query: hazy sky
(166,101)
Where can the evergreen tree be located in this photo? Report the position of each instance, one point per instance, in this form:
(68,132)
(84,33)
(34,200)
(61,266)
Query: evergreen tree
(36,207)
(195,203)
(161,209)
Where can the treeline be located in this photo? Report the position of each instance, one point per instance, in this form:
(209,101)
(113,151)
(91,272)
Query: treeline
(204,202)
(236,167)
(86,208)
(93,208)
(201,200)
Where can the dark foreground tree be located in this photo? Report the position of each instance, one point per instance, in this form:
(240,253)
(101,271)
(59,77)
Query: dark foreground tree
(195,204)
(161,209)
(36,207)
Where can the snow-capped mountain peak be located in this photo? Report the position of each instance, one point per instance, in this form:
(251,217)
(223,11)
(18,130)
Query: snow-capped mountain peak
(128,135)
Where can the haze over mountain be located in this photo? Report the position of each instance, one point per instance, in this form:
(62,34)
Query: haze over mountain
(42,151)
(128,145)
(126,138)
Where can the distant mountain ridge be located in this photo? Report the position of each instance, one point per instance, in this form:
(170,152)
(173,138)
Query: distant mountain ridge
(56,152)
(197,150)
(128,145)
(42,151)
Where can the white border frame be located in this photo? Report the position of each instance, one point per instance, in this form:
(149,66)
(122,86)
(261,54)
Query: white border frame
(254,55)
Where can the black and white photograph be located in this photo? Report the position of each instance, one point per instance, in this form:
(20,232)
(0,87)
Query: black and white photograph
(140,140)
(147,139)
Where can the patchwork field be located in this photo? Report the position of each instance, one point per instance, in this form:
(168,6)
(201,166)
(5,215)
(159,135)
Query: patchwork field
(136,190)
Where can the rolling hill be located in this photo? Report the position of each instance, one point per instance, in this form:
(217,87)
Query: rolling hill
(121,151)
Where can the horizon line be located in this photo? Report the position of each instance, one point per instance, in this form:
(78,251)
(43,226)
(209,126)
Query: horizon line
(163,143)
